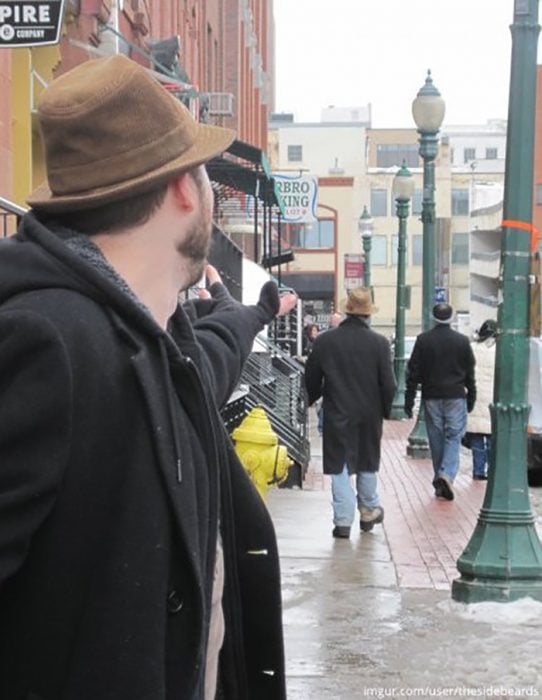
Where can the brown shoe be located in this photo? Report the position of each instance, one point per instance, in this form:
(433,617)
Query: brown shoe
(369,517)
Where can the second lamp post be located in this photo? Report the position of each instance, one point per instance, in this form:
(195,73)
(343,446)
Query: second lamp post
(428,111)
(365,229)
(403,189)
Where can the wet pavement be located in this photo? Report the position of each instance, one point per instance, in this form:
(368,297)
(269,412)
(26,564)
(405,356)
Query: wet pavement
(373,617)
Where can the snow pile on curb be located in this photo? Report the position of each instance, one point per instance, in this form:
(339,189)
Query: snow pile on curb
(525,611)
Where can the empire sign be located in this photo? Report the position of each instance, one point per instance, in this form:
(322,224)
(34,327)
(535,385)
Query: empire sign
(30,23)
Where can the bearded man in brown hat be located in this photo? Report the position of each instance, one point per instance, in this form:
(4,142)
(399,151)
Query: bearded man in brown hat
(350,367)
(137,561)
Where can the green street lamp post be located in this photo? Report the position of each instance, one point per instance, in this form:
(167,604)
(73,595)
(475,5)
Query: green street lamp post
(503,559)
(365,229)
(403,189)
(428,111)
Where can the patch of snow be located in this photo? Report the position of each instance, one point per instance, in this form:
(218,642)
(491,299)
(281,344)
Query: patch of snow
(525,611)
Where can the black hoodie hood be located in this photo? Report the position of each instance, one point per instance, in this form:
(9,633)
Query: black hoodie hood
(37,258)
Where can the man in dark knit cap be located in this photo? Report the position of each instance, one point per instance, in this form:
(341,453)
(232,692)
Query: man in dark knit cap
(442,362)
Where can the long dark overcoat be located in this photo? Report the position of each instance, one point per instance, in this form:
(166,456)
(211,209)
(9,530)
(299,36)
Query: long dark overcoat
(106,429)
(350,366)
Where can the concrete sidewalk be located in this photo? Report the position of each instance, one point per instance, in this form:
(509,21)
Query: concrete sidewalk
(372,616)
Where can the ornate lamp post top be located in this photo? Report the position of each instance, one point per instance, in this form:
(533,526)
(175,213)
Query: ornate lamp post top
(428,107)
(403,184)
(365,224)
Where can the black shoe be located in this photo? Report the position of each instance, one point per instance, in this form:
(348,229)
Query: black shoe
(479,477)
(443,488)
(341,531)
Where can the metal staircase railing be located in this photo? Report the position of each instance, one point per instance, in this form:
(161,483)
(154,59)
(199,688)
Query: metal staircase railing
(275,381)
(10,215)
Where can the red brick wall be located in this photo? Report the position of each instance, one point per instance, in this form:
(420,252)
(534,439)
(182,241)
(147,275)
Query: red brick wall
(251,116)
(232,63)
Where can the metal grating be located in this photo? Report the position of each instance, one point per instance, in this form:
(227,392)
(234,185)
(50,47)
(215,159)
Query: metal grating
(275,382)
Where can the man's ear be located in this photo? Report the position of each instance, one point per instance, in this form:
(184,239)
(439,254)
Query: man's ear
(185,193)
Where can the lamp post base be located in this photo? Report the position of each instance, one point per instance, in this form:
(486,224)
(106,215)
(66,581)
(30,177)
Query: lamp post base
(418,444)
(480,590)
(418,451)
(503,559)
(397,412)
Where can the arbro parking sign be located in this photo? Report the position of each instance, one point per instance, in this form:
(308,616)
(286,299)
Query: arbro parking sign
(30,23)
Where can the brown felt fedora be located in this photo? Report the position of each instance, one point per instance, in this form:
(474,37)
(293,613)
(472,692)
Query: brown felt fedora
(359,302)
(110,131)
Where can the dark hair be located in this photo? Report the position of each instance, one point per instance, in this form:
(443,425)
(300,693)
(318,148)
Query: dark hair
(135,210)
(108,218)
(488,329)
(443,312)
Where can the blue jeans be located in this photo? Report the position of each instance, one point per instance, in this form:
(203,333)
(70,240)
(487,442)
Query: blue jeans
(320,414)
(345,498)
(480,446)
(446,420)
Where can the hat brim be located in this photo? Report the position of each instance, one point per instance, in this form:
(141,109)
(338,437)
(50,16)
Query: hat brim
(210,142)
(344,303)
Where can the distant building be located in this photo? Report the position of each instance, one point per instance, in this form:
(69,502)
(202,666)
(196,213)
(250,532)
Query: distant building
(359,115)
(355,166)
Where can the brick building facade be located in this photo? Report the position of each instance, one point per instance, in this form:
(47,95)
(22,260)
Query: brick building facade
(225,58)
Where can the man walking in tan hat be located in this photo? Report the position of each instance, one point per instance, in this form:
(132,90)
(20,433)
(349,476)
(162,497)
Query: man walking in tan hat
(350,367)
(136,558)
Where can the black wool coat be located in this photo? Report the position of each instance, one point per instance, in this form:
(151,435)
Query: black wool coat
(115,472)
(350,367)
(443,363)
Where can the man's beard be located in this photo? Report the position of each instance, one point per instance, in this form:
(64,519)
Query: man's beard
(195,249)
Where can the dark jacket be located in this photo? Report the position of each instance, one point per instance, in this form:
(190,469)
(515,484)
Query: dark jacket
(114,472)
(350,366)
(443,363)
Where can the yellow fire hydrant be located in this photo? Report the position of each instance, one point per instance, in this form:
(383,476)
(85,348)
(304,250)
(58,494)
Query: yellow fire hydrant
(256,445)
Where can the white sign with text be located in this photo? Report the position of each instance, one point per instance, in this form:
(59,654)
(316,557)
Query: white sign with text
(300,196)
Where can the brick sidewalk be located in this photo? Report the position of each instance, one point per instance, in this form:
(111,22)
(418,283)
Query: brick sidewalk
(425,535)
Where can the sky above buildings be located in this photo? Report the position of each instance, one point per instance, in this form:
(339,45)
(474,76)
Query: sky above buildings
(351,52)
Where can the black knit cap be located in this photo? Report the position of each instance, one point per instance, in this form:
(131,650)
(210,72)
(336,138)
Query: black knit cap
(442,313)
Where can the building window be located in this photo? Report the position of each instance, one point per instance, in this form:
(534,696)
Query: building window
(319,234)
(417,250)
(295,154)
(394,251)
(460,249)
(539,194)
(460,202)
(379,202)
(417,200)
(469,154)
(389,154)
(491,154)
(379,251)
